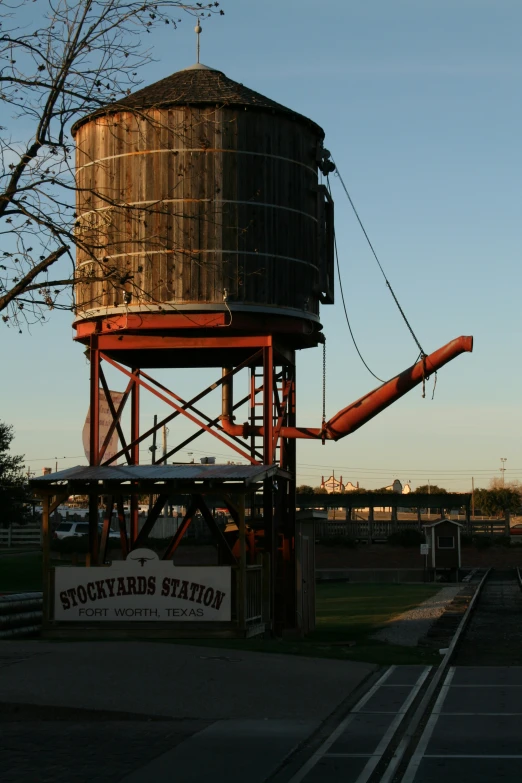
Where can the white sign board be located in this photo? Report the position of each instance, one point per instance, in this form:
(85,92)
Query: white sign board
(143,587)
(424,549)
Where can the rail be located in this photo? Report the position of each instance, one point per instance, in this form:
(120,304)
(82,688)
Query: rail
(404,748)
(21,615)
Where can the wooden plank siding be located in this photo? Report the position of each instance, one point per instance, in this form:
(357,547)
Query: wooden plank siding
(190,201)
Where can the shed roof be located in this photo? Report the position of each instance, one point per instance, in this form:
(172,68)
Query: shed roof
(197,86)
(440,521)
(165,477)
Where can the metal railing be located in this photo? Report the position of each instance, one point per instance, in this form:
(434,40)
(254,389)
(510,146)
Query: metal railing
(381,529)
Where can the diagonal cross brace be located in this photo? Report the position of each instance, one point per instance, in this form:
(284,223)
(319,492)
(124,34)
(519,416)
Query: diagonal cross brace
(179,409)
(150,521)
(116,414)
(217,534)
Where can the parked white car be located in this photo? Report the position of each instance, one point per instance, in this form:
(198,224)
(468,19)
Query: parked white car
(68,529)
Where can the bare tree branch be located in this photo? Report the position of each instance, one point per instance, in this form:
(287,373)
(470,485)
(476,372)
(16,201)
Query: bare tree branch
(59,61)
(24,283)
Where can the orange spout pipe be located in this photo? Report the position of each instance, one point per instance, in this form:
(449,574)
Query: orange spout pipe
(358,413)
(362,410)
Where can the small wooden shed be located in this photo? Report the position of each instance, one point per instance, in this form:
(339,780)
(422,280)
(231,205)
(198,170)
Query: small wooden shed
(443,538)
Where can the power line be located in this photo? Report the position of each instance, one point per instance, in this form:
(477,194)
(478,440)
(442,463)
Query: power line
(348,468)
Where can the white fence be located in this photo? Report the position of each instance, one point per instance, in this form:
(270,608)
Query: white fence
(21,536)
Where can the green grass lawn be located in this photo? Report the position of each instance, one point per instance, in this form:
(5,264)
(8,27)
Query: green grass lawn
(351,614)
(346,613)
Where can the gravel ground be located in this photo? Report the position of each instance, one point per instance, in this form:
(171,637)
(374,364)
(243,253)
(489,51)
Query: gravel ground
(494,634)
(409,627)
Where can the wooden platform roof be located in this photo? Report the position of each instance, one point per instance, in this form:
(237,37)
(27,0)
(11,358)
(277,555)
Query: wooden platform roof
(179,479)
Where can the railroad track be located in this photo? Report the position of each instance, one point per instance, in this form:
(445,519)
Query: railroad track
(489,632)
(480,628)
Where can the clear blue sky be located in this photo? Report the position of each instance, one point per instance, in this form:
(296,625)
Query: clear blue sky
(421,106)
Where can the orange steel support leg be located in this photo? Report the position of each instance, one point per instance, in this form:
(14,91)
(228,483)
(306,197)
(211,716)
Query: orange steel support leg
(135,455)
(94,445)
(289,463)
(268,405)
(124,540)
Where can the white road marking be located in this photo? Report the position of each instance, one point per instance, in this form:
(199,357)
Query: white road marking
(417,757)
(327,744)
(385,741)
(468,756)
(495,714)
(477,685)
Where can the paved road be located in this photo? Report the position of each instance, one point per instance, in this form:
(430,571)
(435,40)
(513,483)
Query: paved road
(107,712)
(355,746)
(134,712)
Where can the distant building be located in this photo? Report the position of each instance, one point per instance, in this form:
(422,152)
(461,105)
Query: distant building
(349,487)
(395,487)
(332,484)
(399,488)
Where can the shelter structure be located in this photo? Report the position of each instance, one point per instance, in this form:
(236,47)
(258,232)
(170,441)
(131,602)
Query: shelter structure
(202,487)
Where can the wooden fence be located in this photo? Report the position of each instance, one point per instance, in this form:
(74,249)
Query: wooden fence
(381,530)
(18,536)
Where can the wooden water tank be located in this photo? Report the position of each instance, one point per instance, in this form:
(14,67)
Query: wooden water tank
(198,194)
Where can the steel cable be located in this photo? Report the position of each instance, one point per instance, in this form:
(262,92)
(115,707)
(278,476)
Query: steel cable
(338,174)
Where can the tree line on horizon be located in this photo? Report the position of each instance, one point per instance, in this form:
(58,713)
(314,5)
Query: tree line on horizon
(494,501)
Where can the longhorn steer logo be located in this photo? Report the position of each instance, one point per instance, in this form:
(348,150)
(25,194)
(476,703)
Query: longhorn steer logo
(141,560)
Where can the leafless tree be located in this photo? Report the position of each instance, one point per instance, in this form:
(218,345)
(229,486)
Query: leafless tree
(59,60)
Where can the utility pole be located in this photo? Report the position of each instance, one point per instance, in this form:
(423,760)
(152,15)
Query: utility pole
(503,461)
(429,493)
(472,497)
(165,431)
(333,489)
(152,449)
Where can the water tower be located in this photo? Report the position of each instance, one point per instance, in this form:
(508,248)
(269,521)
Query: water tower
(205,239)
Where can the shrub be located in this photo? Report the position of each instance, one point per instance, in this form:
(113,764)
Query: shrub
(407,537)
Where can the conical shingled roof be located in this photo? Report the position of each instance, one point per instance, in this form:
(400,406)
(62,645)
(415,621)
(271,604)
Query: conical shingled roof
(198,85)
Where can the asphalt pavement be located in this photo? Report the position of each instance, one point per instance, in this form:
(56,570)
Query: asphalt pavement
(136,711)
